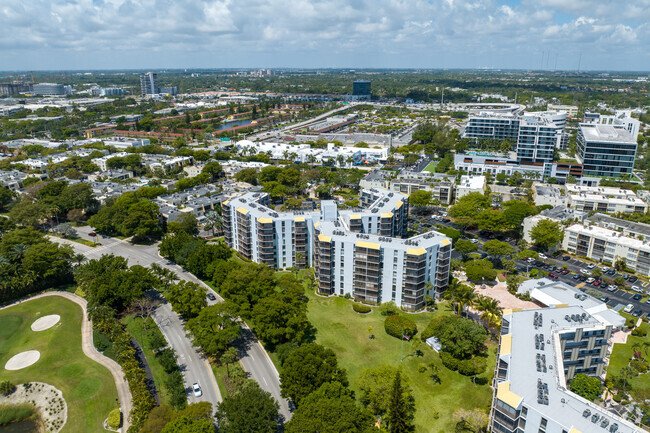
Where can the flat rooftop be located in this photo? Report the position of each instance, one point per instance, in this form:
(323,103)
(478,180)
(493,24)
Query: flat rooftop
(606,133)
(610,222)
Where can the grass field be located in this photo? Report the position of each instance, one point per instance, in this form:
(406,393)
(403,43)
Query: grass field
(431,168)
(346,333)
(621,356)
(135,327)
(87,386)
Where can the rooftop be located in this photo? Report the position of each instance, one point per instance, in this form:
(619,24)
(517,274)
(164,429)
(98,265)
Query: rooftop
(606,133)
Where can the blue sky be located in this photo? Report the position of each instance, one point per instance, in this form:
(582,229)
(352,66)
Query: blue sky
(115,34)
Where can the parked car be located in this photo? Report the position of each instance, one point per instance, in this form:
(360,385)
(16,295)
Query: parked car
(632,279)
(566,258)
(564,271)
(211,297)
(530,260)
(648,301)
(611,272)
(552,275)
(628,308)
(596,283)
(197,390)
(474,241)
(591,266)
(611,288)
(637,289)
(637,313)
(637,297)
(584,271)
(605,299)
(583,278)
(604,268)
(542,256)
(576,276)
(590,280)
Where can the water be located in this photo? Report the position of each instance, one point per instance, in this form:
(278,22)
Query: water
(25,426)
(233,123)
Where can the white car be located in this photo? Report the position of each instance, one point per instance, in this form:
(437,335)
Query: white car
(590,280)
(197,390)
(474,241)
(628,308)
(637,289)
(611,287)
(604,269)
(591,266)
(584,271)
(542,256)
(530,260)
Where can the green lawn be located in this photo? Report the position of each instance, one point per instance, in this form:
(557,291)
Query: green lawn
(136,328)
(346,332)
(431,168)
(621,356)
(87,386)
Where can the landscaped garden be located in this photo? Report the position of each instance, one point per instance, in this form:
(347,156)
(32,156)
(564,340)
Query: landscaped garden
(359,341)
(87,386)
(622,355)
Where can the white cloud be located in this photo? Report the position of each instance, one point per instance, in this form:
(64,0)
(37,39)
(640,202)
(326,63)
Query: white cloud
(467,33)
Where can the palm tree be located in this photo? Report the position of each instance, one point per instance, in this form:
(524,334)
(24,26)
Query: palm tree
(79,259)
(19,251)
(460,295)
(214,220)
(164,275)
(490,309)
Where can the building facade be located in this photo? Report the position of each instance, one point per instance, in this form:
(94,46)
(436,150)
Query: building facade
(603,199)
(540,350)
(361,88)
(362,252)
(149,84)
(606,150)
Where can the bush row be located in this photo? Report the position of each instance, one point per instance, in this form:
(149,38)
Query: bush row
(467,367)
(104,321)
(400,325)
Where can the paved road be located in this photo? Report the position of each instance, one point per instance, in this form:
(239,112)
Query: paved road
(253,357)
(123,391)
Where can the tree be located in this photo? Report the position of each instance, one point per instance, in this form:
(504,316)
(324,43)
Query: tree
(375,384)
(280,318)
(251,410)
(400,410)
(6,387)
(481,269)
(498,249)
(586,386)
(247,284)
(214,169)
(465,247)
(214,221)
(187,298)
(306,369)
(515,211)
(420,198)
(460,337)
(547,234)
(66,230)
(186,222)
(493,220)
(330,409)
(619,281)
(229,357)
(185,424)
(460,294)
(215,328)
(490,310)
(467,207)
(470,420)
(596,273)
(6,197)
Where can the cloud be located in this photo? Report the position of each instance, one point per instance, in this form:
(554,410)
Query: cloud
(316,33)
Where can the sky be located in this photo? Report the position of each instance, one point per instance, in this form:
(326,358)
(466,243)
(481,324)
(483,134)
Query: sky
(158,34)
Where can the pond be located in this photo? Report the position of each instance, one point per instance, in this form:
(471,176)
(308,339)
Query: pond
(25,426)
(233,124)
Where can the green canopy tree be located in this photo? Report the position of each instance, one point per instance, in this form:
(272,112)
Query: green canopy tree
(251,410)
(547,234)
(215,328)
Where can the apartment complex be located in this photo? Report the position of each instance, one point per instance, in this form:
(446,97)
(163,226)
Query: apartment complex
(469,184)
(607,144)
(535,136)
(607,245)
(541,350)
(603,199)
(149,84)
(361,252)
(483,163)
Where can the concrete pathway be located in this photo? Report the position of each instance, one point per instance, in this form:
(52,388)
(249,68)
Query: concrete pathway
(123,391)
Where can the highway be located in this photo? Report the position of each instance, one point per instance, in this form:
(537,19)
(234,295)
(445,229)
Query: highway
(194,367)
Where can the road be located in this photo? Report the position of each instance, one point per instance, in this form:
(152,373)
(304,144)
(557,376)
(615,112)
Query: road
(253,357)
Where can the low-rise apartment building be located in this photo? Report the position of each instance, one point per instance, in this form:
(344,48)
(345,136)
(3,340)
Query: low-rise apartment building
(540,351)
(604,199)
(470,184)
(559,214)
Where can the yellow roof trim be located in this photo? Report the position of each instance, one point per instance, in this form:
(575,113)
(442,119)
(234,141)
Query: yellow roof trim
(226,202)
(561,305)
(399,204)
(574,430)
(506,345)
(300,219)
(507,311)
(264,220)
(508,397)
(416,251)
(242,210)
(317,224)
(355,217)
(445,242)
(324,238)
(370,245)
(387,215)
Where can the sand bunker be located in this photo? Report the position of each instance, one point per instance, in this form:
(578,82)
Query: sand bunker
(45,322)
(23,360)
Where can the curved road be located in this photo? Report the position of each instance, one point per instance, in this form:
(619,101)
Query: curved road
(123,391)
(253,358)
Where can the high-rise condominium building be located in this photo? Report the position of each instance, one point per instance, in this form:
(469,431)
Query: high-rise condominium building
(149,84)
(361,88)
(363,252)
(605,150)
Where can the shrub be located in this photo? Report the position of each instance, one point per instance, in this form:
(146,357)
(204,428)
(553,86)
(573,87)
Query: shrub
(473,366)
(618,398)
(167,359)
(389,309)
(360,308)
(6,387)
(400,325)
(114,419)
(638,332)
(640,366)
(449,361)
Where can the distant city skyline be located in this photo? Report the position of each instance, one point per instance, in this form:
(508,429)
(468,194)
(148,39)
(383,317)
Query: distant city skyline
(473,34)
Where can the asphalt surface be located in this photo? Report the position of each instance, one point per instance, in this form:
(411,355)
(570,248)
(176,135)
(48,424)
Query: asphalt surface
(194,367)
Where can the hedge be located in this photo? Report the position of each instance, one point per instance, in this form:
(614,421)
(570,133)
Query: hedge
(114,419)
(360,308)
(400,325)
(466,367)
